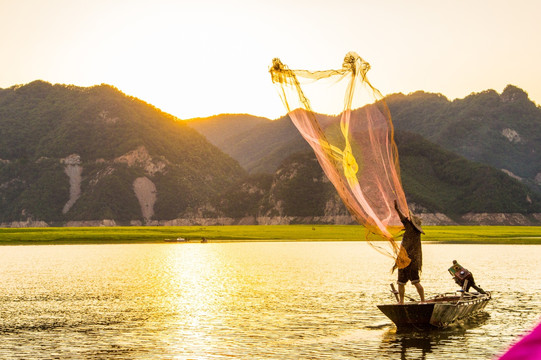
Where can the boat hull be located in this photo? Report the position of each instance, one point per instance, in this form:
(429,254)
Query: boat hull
(409,315)
(439,311)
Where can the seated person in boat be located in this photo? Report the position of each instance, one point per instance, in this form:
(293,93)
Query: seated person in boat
(411,243)
(461,274)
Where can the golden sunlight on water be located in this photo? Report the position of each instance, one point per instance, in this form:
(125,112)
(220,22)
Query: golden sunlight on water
(248,301)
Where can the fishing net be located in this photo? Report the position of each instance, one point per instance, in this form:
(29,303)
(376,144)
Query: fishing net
(351,133)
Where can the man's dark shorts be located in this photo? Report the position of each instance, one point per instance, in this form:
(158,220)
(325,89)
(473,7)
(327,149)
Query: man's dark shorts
(408,274)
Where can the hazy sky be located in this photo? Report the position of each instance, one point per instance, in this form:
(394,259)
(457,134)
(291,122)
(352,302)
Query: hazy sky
(205,57)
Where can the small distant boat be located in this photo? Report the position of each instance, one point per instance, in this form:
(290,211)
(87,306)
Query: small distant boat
(436,312)
(177,240)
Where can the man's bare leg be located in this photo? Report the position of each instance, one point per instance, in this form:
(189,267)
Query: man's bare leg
(420,290)
(401,292)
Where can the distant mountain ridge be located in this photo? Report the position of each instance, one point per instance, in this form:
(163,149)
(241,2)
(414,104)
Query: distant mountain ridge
(503,131)
(440,185)
(89,156)
(435,180)
(221,129)
(258,144)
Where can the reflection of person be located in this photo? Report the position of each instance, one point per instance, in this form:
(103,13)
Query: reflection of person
(411,242)
(461,274)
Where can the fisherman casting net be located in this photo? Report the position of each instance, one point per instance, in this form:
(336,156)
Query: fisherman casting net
(351,133)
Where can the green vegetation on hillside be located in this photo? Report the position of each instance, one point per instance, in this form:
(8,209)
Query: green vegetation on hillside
(435,180)
(503,131)
(113,140)
(246,197)
(451,157)
(301,188)
(223,130)
(117,139)
(444,182)
(259,146)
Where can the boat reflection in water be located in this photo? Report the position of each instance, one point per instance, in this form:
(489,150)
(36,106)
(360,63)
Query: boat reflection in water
(411,343)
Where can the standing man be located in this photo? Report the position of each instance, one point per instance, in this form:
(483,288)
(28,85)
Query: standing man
(411,242)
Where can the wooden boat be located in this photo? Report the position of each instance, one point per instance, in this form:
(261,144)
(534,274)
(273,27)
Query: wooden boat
(438,311)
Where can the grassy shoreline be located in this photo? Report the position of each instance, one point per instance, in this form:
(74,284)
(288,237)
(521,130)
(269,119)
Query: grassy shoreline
(239,233)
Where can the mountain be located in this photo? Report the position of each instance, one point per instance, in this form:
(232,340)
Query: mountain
(259,146)
(469,164)
(440,181)
(221,130)
(85,156)
(500,130)
(503,131)
(74,154)
(436,181)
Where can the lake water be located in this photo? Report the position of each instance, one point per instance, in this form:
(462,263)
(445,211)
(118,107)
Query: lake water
(268,300)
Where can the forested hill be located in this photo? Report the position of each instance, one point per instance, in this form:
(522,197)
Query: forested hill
(75,153)
(500,130)
(441,186)
(86,156)
(437,177)
(224,129)
(259,145)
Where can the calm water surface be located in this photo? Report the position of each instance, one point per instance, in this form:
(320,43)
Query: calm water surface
(280,300)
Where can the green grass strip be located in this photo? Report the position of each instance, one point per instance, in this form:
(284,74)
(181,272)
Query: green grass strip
(157,234)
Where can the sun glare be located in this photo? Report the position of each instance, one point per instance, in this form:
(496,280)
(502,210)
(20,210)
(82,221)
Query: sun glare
(208,57)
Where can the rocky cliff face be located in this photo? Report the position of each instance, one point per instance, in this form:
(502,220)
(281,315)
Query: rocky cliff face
(428,219)
(73,170)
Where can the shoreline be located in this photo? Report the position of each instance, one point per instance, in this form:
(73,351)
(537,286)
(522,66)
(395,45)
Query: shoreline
(513,235)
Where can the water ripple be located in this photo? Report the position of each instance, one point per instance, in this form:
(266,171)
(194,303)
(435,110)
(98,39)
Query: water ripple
(247,301)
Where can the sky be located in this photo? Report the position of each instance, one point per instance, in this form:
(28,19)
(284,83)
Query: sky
(207,57)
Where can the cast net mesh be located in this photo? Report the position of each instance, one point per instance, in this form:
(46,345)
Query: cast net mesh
(351,133)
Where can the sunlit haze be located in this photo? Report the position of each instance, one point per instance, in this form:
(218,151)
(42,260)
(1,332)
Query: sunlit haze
(206,57)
